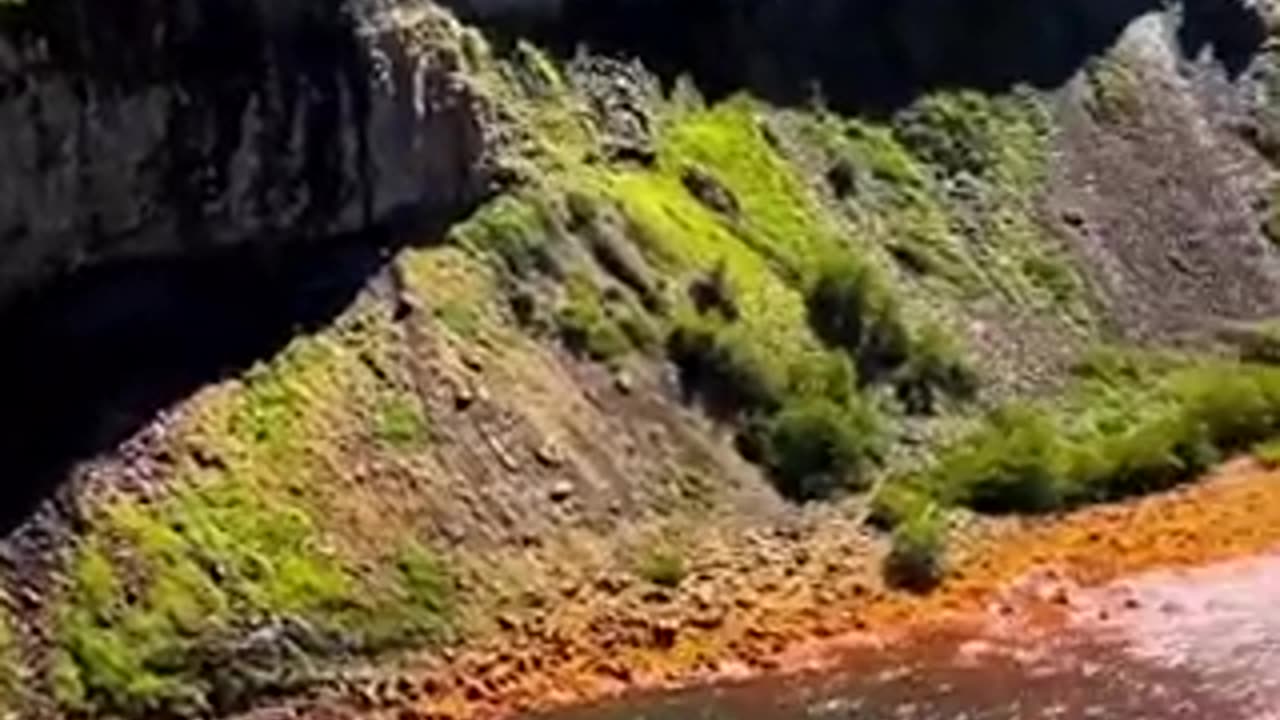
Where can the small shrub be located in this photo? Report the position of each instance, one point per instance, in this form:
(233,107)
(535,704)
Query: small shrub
(852,307)
(816,447)
(1156,455)
(586,325)
(663,565)
(724,368)
(1268,453)
(935,365)
(1116,90)
(917,558)
(514,230)
(1015,466)
(895,503)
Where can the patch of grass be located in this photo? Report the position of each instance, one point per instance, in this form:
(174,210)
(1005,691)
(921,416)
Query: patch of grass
(460,317)
(515,230)
(401,422)
(1115,90)
(162,587)
(935,365)
(162,592)
(889,195)
(179,575)
(721,364)
(663,564)
(851,306)
(802,416)
(782,221)
(587,325)
(419,605)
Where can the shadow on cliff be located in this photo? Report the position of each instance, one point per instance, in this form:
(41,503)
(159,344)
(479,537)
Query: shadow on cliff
(89,363)
(864,56)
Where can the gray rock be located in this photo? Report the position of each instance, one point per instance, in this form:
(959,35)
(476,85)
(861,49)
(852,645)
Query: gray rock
(197,125)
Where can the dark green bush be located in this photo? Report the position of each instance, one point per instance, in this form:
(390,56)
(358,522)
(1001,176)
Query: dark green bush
(852,307)
(1156,455)
(1018,467)
(816,447)
(723,368)
(935,366)
(917,558)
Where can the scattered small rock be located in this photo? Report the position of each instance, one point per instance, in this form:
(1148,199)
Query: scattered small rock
(551,455)
(665,633)
(1074,217)
(624,383)
(561,491)
(472,362)
(464,396)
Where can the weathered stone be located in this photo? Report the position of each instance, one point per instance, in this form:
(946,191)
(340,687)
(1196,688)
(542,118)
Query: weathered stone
(551,455)
(561,491)
(201,125)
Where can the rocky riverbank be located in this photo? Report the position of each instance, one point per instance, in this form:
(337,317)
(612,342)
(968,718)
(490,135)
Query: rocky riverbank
(788,602)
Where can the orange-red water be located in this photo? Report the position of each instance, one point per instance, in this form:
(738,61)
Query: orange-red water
(1199,644)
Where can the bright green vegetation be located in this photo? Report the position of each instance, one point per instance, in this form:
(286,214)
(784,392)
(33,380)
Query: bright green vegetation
(238,578)
(512,229)
(852,307)
(818,310)
(1127,430)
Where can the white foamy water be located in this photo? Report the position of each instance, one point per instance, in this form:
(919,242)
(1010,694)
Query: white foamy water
(1219,625)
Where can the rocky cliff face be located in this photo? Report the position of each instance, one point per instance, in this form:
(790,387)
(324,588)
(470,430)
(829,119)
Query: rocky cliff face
(137,128)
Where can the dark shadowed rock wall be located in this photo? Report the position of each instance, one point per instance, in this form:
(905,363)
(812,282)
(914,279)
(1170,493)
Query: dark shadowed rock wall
(141,128)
